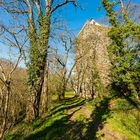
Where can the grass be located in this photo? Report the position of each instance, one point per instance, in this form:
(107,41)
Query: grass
(78,119)
(53,126)
(126,124)
(125,119)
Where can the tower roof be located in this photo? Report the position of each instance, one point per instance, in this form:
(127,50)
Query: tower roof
(90,22)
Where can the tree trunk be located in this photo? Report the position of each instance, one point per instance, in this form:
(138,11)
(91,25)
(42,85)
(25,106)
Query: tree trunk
(92,91)
(45,96)
(63,91)
(29,111)
(36,104)
(38,60)
(61,95)
(8,90)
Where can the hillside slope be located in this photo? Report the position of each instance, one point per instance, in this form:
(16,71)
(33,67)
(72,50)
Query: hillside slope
(78,119)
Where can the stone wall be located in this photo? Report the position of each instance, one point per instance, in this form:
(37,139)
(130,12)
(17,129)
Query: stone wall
(92,58)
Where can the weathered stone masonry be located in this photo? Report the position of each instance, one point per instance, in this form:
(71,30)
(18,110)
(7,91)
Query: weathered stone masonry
(91,48)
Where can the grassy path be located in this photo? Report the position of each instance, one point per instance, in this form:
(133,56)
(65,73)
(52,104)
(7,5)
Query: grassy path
(78,119)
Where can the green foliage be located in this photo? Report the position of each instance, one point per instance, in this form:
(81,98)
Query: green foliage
(38,39)
(38,51)
(123,52)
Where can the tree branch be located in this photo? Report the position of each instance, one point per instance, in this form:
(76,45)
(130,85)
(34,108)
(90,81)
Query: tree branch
(64,3)
(3,73)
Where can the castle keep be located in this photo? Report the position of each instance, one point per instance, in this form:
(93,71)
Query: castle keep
(92,58)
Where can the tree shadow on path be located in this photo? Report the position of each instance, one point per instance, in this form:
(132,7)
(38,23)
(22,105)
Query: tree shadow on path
(63,107)
(62,128)
(58,125)
(98,119)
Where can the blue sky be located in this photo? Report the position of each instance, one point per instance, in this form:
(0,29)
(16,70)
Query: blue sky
(74,17)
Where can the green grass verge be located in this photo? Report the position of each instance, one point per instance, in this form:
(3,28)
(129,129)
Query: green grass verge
(77,119)
(125,119)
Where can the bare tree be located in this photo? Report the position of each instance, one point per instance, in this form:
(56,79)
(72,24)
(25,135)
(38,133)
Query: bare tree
(66,60)
(6,77)
(38,60)
(39,21)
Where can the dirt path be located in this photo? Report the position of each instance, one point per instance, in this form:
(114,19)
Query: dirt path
(83,111)
(105,133)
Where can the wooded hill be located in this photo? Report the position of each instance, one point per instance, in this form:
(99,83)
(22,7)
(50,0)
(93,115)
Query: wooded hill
(55,86)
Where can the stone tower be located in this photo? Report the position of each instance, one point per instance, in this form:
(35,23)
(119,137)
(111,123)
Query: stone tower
(91,56)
